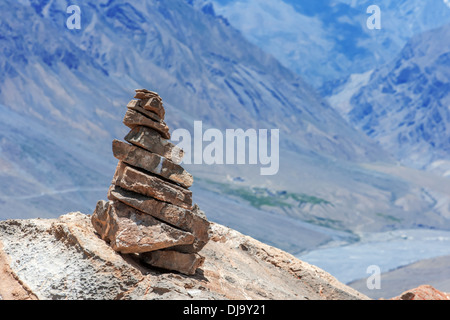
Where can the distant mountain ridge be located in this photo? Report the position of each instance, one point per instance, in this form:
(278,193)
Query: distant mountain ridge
(330,45)
(325,41)
(405,104)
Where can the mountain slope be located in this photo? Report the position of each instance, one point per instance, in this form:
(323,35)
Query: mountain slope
(329,40)
(160,44)
(405,104)
(64,89)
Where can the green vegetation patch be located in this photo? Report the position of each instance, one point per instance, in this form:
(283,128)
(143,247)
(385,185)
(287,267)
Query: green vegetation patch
(259,197)
(256,200)
(389,217)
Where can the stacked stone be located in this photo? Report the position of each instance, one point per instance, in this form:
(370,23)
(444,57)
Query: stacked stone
(150,211)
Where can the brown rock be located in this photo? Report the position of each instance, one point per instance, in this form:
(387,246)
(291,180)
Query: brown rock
(191,221)
(186,263)
(100,218)
(424,292)
(199,226)
(151,162)
(134,180)
(150,101)
(145,94)
(135,105)
(130,231)
(152,141)
(154,105)
(134,118)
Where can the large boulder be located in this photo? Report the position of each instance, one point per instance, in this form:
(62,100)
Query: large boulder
(193,221)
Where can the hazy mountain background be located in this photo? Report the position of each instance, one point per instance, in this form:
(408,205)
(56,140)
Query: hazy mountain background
(327,40)
(63,94)
(405,105)
(329,44)
(391,83)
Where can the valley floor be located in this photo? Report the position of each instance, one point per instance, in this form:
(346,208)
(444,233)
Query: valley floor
(389,251)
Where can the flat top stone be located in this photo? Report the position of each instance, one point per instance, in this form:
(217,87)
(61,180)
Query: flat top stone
(145,91)
(146,94)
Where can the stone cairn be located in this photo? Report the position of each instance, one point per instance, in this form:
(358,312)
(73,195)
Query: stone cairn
(150,212)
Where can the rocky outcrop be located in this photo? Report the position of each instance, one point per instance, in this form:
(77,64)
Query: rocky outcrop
(193,221)
(64,258)
(433,271)
(424,292)
(150,211)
